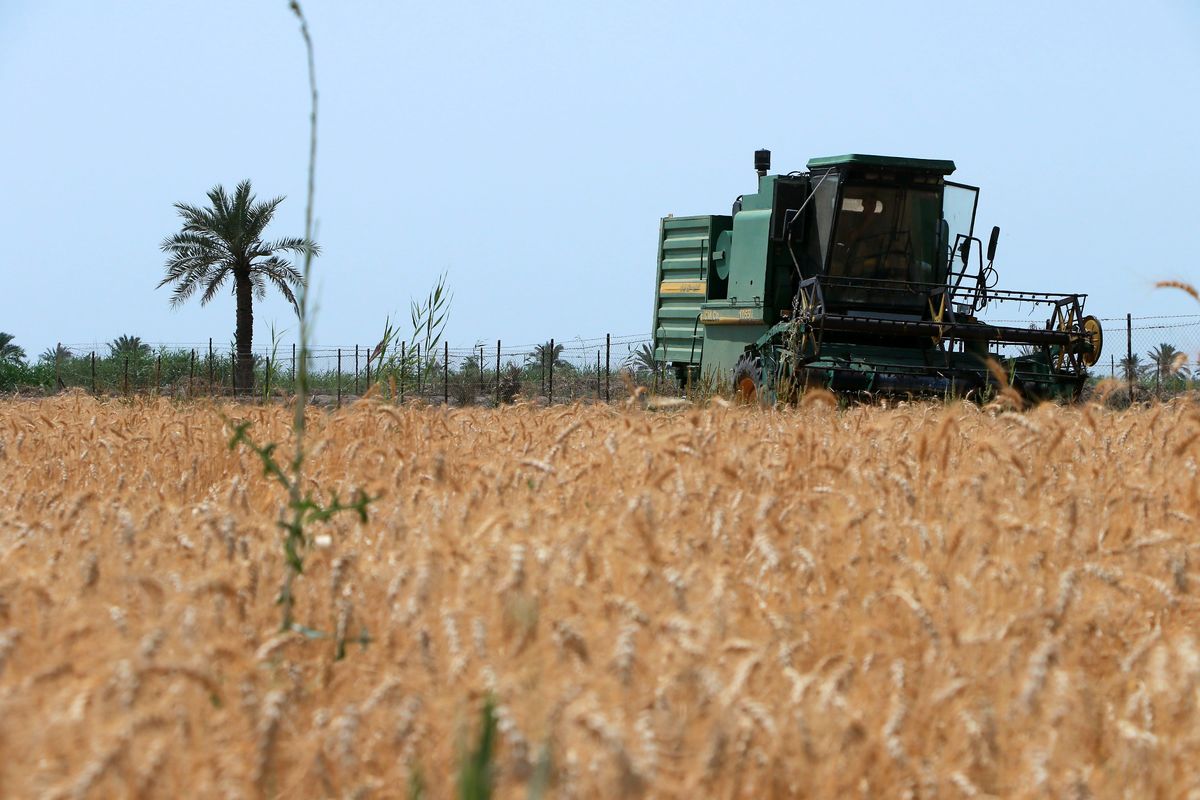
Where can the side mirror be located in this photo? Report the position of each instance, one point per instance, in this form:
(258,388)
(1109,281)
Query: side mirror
(964,250)
(992,243)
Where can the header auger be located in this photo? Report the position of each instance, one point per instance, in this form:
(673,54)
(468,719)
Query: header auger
(863,274)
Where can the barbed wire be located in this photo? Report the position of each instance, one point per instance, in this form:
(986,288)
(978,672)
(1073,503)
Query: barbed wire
(1162,349)
(589,344)
(574,345)
(1195,317)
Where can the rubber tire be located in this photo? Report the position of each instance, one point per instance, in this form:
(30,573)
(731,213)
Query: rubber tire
(747,379)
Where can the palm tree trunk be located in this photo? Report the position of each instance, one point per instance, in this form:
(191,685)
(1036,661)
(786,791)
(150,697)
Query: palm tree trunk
(244,374)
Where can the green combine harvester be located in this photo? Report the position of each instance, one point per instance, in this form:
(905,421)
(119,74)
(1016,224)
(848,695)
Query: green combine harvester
(862,274)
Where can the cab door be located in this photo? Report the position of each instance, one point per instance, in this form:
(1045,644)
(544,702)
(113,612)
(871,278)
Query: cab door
(959,203)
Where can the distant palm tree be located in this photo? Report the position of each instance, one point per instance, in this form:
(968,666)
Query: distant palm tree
(1132,367)
(1029,349)
(642,359)
(225,241)
(55,354)
(1168,362)
(542,353)
(131,346)
(9,352)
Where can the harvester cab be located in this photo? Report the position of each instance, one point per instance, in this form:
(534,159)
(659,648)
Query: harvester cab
(863,273)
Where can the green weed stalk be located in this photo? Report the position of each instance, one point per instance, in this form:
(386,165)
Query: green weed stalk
(303,510)
(271,369)
(476,771)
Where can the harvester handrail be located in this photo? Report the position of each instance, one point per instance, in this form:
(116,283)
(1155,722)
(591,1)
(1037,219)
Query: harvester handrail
(919,287)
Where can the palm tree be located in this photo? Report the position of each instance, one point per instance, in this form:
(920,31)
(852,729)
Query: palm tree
(55,354)
(225,241)
(1027,350)
(131,346)
(542,354)
(9,352)
(1168,362)
(1132,367)
(642,359)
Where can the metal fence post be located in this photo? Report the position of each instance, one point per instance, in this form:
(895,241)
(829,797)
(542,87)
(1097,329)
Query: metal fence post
(192,373)
(446,374)
(497,372)
(158,374)
(480,370)
(210,364)
(94,373)
(293,367)
(267,381)
(418,369)
(356,369)
(1129,353)
(550,385)
(339,377)
(597,375)
(607,363)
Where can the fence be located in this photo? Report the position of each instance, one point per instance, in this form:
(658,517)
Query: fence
(599,368)
(1156,356)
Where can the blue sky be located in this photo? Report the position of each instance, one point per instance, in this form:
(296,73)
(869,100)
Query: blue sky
(530,149)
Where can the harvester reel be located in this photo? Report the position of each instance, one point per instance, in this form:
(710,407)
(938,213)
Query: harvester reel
(810,307)
(1064,321)
(1094,334)
(807,343)
(747,378)
(787,389)
(937,313)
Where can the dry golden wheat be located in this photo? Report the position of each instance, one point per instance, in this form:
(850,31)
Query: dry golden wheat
(727,602)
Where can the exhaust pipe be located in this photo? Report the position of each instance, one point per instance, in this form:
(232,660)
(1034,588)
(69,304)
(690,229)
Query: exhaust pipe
(762,162)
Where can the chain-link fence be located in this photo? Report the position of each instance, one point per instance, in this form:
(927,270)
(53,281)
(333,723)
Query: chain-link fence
(599,368)
(1157,356)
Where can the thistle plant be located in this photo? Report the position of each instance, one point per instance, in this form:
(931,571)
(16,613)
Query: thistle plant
(304,510)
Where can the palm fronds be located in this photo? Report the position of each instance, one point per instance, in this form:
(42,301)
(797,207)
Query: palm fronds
(224,241)
(9,352)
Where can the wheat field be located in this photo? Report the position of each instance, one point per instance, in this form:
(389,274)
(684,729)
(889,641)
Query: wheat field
(935,600)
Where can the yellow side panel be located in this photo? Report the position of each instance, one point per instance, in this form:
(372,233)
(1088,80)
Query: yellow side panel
(683,288)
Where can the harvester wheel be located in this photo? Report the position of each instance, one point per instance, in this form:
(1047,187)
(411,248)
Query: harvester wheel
(747,378)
